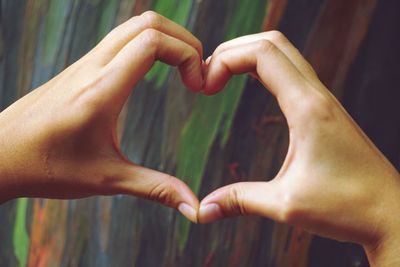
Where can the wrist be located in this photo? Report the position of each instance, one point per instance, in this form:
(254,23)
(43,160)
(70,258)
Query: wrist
(7,174)
(6,189)
(385,250)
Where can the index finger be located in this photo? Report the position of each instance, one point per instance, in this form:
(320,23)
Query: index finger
(281,42)
(137,57)
(267,62)
(124,33)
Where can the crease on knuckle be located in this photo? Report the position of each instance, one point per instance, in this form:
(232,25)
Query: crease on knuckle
(190,57)
(152,38)
(220,60)
(189,53)
(109,185)
(265,46)
(163,193)
(236,204)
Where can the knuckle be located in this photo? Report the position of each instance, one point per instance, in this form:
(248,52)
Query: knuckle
(277,36)
(265,46)
(119,30)
(151,37)
(151,19)
(108,185)
(163,193)
(288,210)
(320,106)
(219,49)
(236,201)
(192,55)
(109,36)
(217,62)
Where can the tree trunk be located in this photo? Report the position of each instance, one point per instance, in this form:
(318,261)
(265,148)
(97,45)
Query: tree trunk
(237,135)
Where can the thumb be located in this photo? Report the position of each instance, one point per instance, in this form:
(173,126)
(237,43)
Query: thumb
(244,198)
(156,186)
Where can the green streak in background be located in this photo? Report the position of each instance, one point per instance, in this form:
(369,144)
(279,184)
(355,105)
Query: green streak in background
(107,18)
(178,11)
(20,235)
(54,30)
(214,115)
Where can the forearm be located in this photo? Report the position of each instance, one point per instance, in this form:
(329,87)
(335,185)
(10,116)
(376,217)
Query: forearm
(6,175)
(12,160)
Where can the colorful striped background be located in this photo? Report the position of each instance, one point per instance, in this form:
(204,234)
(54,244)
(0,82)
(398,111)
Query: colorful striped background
(205,141)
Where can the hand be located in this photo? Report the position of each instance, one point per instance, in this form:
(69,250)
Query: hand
(60,141)
(334,182)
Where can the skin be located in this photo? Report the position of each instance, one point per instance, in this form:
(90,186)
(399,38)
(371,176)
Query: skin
(61,140)
(334,182)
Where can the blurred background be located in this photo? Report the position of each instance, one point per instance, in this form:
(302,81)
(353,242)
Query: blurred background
(208,142)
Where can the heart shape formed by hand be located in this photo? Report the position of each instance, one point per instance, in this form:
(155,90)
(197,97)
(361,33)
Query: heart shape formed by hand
(271,59)
(67,131)
(308,106)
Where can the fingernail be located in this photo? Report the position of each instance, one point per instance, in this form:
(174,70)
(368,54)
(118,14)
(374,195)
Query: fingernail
(210,212)
(188,212)
(204,70)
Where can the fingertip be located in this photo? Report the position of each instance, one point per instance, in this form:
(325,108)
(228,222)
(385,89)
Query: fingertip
(208,60)
(155,186)
(209,90)
(192,73)
(216,77)
(186,194)
(209,87)
(214,197)
(189,204)
(211,207)
(194,85)
(188,211)
(210,212)
(208,93)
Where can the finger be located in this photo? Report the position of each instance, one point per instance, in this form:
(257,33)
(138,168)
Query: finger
(281,42)
(267,62)
(156,186)
(137,57)
(244,198)
(124,33)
